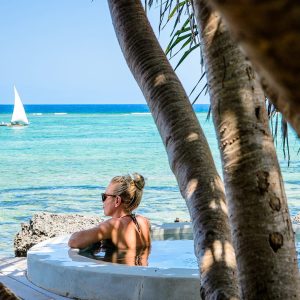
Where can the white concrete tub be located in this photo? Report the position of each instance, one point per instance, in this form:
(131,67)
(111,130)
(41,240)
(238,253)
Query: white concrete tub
(53,266)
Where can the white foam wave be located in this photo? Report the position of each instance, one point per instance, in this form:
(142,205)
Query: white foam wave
(37,114)
(61,113)
(142,113)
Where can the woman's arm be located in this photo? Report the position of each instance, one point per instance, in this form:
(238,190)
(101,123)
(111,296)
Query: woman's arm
(82,239)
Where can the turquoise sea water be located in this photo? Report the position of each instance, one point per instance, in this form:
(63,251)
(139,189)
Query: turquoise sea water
(66,157)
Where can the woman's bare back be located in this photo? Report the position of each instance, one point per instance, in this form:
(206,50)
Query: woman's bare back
(128,234)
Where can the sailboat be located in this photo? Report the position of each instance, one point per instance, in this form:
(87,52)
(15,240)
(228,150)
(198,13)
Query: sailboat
(19,117)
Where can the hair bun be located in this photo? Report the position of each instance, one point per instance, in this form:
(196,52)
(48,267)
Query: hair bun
(139,181)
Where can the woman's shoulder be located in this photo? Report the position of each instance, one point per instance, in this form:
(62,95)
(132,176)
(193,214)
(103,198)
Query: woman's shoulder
(142,219)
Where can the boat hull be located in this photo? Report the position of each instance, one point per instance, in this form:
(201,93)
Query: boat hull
(12,125)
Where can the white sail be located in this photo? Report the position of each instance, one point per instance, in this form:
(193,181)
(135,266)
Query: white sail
(19,115)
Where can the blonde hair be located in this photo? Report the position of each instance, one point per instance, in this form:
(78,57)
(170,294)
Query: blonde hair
(130,188)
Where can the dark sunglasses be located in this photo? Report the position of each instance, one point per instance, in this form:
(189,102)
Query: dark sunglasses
(104,196)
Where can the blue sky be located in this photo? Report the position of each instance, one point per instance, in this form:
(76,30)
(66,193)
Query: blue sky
(66,51)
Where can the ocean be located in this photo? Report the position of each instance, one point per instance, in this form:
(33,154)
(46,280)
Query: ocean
(65,158)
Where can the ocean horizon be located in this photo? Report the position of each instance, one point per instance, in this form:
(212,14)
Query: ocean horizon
(64,159)
(88,108)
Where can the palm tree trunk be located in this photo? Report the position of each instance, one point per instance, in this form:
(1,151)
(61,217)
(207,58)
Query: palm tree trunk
(261,227)
(268,31)
(189,156)
(6,293)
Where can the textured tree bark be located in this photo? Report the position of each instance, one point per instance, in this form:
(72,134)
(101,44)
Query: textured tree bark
(6,293)
(261,226)
(188,152)
(269,33)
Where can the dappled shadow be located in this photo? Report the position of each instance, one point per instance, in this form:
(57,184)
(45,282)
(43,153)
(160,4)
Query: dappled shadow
(213,246)
(218,253)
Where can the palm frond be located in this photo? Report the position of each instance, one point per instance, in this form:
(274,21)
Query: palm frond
(185,54)
(276,120)
(285,138)
(208,114)
(202,76)
(179,39)
(185,40)
(205,87)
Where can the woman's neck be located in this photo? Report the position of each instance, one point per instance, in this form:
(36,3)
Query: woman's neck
(121,214)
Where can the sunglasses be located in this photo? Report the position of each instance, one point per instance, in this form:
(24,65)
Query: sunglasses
(104,196)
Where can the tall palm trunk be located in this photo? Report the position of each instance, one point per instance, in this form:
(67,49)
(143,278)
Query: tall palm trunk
(260,222)
(188,152)
(269,34)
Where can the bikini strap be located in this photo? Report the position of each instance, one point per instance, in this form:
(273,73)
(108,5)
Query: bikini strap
(133,217)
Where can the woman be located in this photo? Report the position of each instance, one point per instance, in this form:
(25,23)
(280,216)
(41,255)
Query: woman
(123,230)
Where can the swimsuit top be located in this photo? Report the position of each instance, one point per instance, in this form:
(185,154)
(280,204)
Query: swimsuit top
(132,216)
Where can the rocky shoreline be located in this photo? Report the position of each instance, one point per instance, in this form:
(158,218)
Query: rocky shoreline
(43,226)
(296,219)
